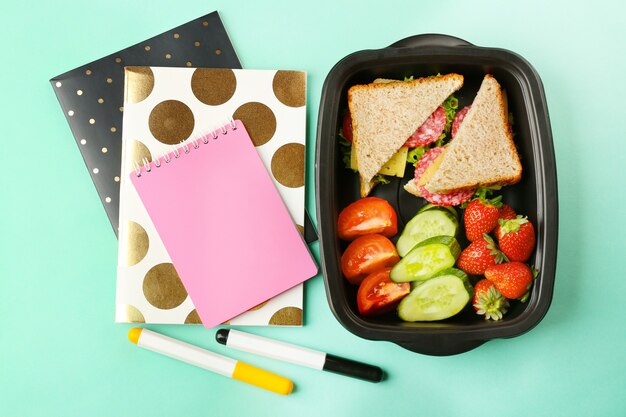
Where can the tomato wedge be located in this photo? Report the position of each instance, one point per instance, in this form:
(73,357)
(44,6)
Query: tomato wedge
(365,216)
(367,254)
(378,294)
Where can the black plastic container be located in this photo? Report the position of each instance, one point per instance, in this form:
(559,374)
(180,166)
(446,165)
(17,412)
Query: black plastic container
(535,196)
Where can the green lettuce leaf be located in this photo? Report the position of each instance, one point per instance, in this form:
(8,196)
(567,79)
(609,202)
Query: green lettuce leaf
(450,106)
(345,147)
(416,154)
(381,179)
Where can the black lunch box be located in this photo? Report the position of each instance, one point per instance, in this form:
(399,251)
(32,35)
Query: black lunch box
(535,196)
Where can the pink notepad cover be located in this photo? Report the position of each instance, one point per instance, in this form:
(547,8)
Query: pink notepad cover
(224,224)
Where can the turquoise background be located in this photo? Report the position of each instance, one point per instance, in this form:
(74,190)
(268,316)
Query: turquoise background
(62,355)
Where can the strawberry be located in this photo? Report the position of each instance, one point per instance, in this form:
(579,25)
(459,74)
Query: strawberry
(481,216)
(516,238)
(512,279)
(488,301)
(507,212)
(479,255)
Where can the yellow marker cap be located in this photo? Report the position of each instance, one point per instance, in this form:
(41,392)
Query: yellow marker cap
(134,333)
(261,378)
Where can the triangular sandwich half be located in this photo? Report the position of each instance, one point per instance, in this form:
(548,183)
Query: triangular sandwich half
(482,153)
(385,114)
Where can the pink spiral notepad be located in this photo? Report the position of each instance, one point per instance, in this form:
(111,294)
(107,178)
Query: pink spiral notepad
(223,223)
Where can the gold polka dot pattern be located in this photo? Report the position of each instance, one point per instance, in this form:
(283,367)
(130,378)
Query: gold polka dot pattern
(290,88)
(133,315)
(137,152)
(193,318)
(213,86)
(163,288)
(287,316)
(288,165)
(138,243)
(139,83)
(259,120)
(171,122)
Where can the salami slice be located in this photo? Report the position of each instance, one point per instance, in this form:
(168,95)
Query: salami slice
(456,123)
(451,199)
(429,131)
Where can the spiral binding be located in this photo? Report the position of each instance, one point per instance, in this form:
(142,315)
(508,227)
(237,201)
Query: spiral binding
(186,148)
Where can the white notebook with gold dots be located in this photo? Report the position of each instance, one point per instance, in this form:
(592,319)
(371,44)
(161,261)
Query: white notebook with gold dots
(166,106)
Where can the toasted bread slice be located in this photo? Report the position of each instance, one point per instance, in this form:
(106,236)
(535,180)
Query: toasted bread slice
(411,187)
(366,187)
(482,153)
(385,114)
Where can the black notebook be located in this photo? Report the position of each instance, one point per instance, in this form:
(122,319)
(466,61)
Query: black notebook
(91,97)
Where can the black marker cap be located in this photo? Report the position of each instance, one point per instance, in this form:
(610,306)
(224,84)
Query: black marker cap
(353,368)
(222,336)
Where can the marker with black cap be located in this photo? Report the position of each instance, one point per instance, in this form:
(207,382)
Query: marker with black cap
(299,355)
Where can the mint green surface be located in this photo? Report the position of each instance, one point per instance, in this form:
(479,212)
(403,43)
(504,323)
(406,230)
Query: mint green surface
(62,355)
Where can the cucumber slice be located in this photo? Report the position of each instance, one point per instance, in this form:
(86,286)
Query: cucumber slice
(438,298)
(426,224)
(426,259)
(431,206)
(450,271)
(454,271)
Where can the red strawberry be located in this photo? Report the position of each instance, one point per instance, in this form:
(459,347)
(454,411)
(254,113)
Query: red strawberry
(481,216)
(512,279)
(507,212)
(516,238)
(488,301)
(479,255)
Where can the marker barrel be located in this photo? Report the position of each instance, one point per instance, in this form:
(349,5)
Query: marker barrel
(214,362)
(186,352)
(298,355)
(275,349)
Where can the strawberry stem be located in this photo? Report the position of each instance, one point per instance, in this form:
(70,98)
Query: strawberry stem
(535,271)
(492,304)
(500,257)
(483,193)
(512,225)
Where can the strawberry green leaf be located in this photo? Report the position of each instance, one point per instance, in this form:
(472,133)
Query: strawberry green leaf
(525,297)
(535,271)
(492,304)
(494,250)
(512,225)
(483,194)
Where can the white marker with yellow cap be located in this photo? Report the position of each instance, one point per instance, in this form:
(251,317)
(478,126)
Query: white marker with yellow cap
(211,361)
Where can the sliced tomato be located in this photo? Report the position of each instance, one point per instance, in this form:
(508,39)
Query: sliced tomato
(378,294)
(365,216)
(367,254)
(347,126)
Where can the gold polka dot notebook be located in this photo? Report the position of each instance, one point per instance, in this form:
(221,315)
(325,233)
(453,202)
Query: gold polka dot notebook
(164,107)
(92,95)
